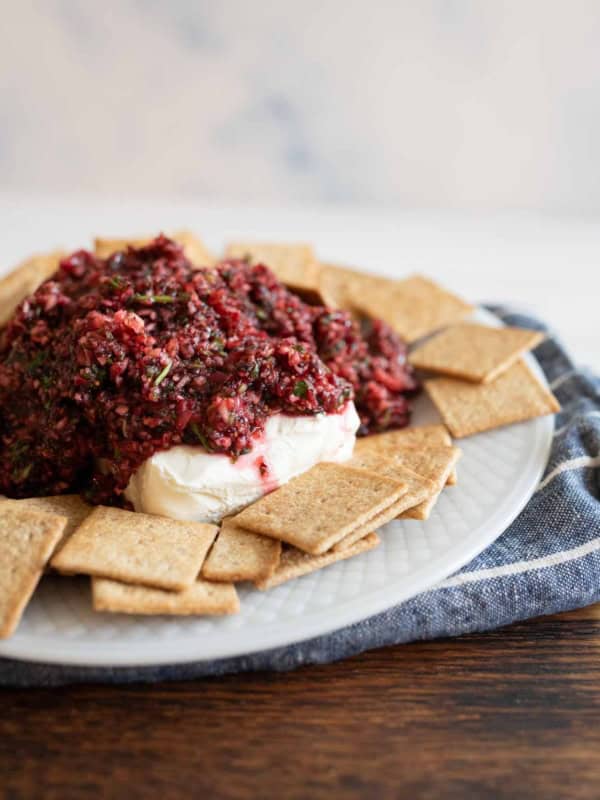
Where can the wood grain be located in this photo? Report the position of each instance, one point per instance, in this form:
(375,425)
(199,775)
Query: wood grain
(509,714)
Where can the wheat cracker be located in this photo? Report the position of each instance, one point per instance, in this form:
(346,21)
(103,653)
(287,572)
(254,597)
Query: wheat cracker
(468,408)
(27,540)
(136,548)
(320,507)
(413,307)
(295,265)
(241,555)
(474,352)
(295,563)
(201,598)
(193,247)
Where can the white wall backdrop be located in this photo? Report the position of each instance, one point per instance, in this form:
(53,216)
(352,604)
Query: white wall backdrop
(488,104)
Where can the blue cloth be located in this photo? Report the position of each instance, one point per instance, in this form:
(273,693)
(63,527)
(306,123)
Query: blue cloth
(547,561)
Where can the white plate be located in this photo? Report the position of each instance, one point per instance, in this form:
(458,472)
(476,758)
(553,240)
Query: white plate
(497,474)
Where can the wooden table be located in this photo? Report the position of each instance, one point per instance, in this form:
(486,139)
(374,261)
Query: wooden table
(509,714)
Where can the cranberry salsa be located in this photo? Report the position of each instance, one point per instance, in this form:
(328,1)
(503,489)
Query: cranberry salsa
(112,360)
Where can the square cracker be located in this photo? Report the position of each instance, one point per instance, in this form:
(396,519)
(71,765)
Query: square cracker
(137,548)
(371,525)
(295,265)
(295,563)
(193,247)
(474,352)
(240,555)
(437,464)
(27,539)
(24,280)
(419,490)
(413,307)
(321,506)
(70,506)
(338,284)
(469,408)
(433,463)
(333,286)
(391,441)
(422,436)
(202,597)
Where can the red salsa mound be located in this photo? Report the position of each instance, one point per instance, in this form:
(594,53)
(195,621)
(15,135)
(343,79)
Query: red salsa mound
(112,360)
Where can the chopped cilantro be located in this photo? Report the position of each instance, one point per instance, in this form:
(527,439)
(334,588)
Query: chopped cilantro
(219,346)
(22,474)
(301,389)
(163,374)
(37,361)
(154,298)
(97,373)
(255,371)
(18,449)
(200,436)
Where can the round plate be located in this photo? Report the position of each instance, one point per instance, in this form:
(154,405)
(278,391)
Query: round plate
(497,474)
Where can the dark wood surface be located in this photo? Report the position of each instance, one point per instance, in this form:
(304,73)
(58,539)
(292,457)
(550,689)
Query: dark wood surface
(510,714)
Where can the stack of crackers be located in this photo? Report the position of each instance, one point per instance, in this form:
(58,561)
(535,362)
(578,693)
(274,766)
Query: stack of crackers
(144,564)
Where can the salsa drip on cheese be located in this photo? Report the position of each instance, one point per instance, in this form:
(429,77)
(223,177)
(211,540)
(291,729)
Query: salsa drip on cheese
(113,360)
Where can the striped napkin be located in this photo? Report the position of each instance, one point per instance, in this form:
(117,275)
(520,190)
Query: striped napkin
(547,561)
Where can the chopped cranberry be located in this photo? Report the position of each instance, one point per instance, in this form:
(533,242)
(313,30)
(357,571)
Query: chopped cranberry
(113,360)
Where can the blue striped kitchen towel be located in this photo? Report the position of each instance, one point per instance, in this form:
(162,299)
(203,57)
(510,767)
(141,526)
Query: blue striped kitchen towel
(547,561)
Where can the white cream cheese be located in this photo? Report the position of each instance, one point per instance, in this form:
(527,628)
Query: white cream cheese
(188,483)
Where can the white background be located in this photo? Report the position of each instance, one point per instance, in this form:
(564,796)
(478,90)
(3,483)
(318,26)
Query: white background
(483,104)
(470,129)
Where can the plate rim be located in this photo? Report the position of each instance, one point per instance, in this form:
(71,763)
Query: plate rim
(276,635)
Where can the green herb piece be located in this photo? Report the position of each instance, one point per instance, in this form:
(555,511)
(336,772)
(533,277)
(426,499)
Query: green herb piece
(301,389)
(23,474)
(200,436)
(98,373)
(37,361)
(219,346)
(116,282)
(385,419)
(261,314)
(17,450)
(154,298)
(163,374)
(255,371)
